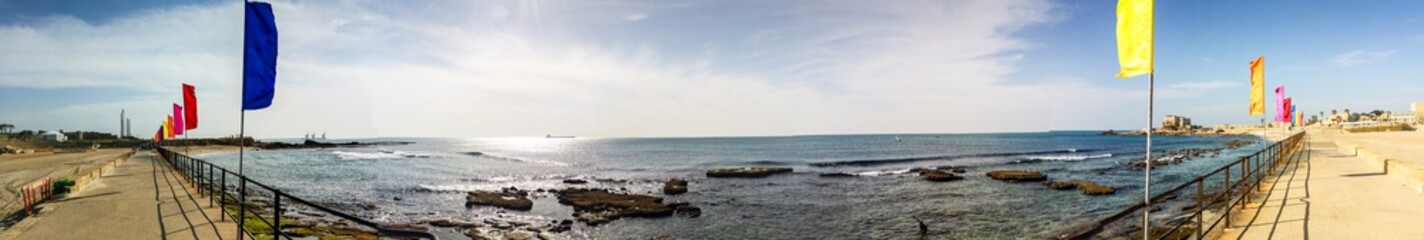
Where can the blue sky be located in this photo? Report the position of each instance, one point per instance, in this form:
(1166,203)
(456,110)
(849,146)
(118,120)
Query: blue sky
(694,68)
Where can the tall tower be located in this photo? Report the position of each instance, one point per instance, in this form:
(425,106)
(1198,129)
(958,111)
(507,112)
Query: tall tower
(122,129)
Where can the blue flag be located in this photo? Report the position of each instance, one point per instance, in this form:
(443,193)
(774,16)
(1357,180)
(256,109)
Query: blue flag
(259,60)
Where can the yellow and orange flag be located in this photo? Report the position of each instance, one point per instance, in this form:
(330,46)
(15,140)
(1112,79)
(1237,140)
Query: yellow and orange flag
(168,127)
(1134,37)
(1258,86)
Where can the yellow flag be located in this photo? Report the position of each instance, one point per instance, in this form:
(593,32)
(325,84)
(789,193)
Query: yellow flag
(1134,37)
(1258,86)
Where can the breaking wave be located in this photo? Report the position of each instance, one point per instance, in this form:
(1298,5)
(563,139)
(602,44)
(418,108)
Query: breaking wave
(883,161)
(519,160)
(1076,157)
(345,155)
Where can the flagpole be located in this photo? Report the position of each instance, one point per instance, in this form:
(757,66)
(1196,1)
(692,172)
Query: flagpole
(1147,176)
(242,189)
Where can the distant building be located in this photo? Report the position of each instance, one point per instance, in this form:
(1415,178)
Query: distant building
(1174,122)
(1418,108)
(53,136)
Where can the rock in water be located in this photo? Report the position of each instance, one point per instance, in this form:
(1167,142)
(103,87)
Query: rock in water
(1061,185)
(594,206)
(938,176)
(499,199)
(1094,189)
(688,211)
(518,235)
(1088,188)
(1017,175)
(747,172)
(575,181)
(675,186)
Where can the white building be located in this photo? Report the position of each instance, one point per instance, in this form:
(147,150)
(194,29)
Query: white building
(1418,108)
(53,136)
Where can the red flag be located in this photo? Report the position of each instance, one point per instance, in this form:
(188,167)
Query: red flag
(1287,106)
(190,107)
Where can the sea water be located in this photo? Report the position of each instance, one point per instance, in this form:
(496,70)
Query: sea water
(426,180)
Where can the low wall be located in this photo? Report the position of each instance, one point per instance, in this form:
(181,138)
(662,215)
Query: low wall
(81,182)
(1408,172)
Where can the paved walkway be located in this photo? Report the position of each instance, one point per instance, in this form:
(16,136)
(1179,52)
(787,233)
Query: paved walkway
(141,199)
(1332,195)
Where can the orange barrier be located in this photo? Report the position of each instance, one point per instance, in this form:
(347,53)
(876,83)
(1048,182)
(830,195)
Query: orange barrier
(36,192)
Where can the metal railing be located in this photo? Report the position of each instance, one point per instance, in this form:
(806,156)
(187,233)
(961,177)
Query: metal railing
(1218,192)
(247,196)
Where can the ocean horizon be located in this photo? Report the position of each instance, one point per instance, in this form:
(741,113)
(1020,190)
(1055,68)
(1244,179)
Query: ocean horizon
(880,197)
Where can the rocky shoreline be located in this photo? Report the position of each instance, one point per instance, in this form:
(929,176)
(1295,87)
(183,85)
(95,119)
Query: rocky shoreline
(314,144)
(249,142)
(597,203)
(591,206)
(1166,132)
(1182,155)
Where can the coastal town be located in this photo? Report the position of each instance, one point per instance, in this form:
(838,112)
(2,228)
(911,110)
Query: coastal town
(1357,122)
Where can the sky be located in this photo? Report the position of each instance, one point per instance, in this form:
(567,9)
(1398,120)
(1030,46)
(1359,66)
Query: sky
(527,68)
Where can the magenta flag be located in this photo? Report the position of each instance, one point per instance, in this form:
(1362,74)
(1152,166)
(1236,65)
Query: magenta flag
(1280,104)
(178,119)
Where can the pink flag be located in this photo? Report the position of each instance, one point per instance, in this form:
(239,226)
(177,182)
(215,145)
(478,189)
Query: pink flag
(178,119)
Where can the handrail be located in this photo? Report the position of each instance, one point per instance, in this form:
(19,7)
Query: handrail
(204,176)
(1253,167)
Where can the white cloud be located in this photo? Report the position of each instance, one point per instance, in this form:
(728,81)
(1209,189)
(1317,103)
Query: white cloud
(1358,57)
(357,71)
(1195,89)
(1204,85)
(635,17)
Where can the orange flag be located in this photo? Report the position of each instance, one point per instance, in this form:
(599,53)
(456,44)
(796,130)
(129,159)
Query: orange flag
(1258,86)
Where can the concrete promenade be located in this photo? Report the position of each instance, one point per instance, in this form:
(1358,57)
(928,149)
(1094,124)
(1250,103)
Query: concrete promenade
(1337,194)
(140,199)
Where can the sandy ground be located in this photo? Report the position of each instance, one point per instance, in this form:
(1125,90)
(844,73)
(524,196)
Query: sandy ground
(21,169)
(1336,194)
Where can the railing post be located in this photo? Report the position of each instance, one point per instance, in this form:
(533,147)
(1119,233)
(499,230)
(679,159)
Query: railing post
(210,185)
(276,215)
(1200,207)
(1259,163)
(1246,193)
(223,197)
(241,206)
(198,177)
(1226,185)
(192,179)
